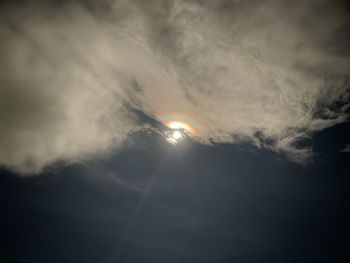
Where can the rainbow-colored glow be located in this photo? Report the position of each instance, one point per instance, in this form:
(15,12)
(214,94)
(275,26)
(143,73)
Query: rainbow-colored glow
(177,117)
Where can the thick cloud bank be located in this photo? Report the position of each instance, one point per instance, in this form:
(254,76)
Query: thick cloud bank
(268,72)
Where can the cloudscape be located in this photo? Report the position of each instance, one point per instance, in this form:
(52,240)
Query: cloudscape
(168,131)
(271,73)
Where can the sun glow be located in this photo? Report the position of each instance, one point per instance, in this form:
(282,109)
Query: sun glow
(177,132)
(177,135)
(176,125)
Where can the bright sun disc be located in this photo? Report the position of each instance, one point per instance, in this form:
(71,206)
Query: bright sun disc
(174,137)
(178,131)
(177,135)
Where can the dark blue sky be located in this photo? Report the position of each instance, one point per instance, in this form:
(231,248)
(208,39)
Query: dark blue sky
(222,203)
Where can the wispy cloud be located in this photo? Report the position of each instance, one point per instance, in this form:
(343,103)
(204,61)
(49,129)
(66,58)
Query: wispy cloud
(346,149)
(268,72)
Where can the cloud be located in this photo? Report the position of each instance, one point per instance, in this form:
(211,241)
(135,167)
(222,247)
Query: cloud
(346,149)
(268,72)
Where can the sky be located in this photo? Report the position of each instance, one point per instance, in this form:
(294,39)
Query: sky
(174,131)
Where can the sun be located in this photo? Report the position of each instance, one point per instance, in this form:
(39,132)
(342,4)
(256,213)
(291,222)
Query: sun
(178,131)
(177,135)
(174,137)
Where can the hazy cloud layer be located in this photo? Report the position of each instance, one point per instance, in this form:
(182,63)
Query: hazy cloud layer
(268,72)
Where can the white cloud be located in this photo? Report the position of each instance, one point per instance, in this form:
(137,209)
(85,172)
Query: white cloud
(268,72)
